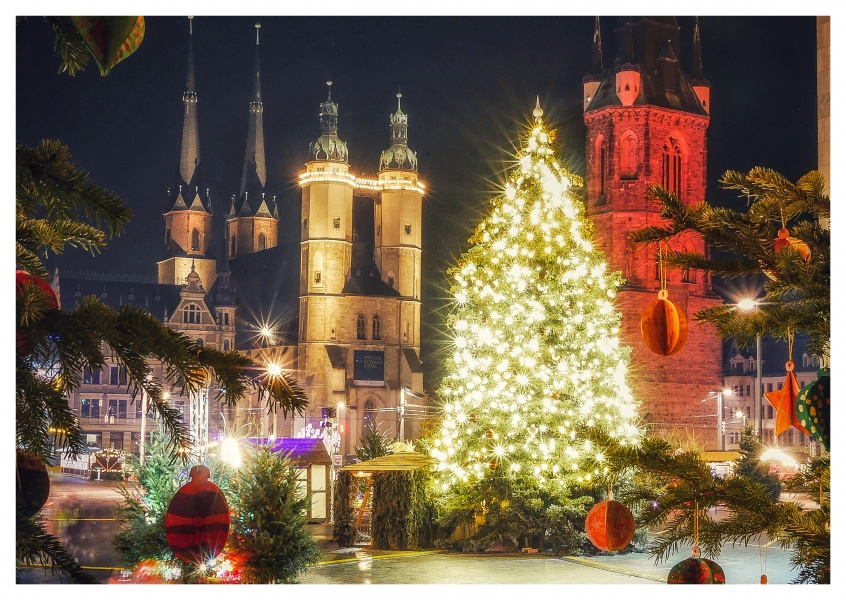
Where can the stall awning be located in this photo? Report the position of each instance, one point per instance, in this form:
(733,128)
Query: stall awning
(719,456)
(399,461)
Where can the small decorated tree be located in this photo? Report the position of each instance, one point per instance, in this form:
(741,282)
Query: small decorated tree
(269,526)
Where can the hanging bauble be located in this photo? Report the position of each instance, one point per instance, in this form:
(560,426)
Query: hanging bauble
(23,337)
(784,401)
(110,39)
(197,520)
(32,484)
(696,570)
(489,434)
(813,408)
(664,326)
(610,525)
(764,579)
(473,417)
(784,240)
(494,464)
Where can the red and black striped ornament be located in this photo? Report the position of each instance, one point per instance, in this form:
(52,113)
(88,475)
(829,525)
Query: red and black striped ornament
(32,484)
(197,520)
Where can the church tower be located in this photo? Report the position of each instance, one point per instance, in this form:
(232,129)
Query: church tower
(646,125)
(188,213)
(326,234)
(253,220)
(398,225)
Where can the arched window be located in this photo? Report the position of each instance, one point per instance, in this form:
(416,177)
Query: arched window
(200,341)
(191,314)
(232,244)
(628,156)
(226,345)
(377,327)
(167,238)
(317,269)
(368,411)
(195,240)
(362,327)
(671,167)
(262,242)
(602,172)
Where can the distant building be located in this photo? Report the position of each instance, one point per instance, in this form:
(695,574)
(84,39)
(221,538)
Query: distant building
(339,308)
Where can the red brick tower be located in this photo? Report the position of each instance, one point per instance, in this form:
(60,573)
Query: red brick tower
(646,122)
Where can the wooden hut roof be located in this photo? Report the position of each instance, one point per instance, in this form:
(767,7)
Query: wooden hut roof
(398,461)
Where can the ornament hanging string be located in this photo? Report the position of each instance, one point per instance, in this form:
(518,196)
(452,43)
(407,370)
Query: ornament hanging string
(662,273)
(696,523)
(763,556)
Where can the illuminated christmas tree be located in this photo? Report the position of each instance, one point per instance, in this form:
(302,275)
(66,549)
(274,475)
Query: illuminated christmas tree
(536,355)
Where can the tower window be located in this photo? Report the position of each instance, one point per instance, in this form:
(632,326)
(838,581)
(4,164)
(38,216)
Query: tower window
(226,318)
(671,167)
(336,222)
(305,224)
(195,240)
(368,411)
(262,241)
(232,245)
(167,238)
(601,168)
(191,314)
(408,229)
(318,279)
(361,329)
(628,156)
(377,327)
(226,345)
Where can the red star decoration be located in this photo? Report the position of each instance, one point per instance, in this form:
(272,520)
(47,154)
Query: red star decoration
(784,401)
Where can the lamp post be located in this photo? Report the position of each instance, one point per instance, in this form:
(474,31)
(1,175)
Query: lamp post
(750,304)
(721,424)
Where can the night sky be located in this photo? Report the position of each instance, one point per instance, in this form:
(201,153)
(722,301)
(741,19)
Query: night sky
(468,85)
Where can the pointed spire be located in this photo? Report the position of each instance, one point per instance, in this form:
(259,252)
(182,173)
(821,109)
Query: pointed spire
(254,174)
(399,155)
(629,43)
(697,53)
(597,47)
(190,156)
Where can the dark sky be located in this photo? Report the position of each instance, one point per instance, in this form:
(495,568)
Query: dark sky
(468,85)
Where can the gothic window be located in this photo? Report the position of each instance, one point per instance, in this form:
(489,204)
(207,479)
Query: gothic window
(262,242)
(226,345)
(167,238)
(628,156)
(671,167)
(200,341)
(377,327)
(336,222)
(362,327)
(368,411)
(232,245)
(603,167)
(391,278)
(191,314)
(226,318)
(195,240)
(408,229)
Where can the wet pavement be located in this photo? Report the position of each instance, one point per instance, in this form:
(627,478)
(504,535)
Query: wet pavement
(80,513)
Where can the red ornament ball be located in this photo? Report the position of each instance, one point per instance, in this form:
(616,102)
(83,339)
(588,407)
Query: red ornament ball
(610,525)
(197,520)
(663,326)
(698,571)
(32,484)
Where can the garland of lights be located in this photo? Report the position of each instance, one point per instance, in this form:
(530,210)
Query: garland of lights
(536,353)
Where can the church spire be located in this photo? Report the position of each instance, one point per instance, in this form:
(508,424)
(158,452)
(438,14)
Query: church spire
(190,156)
(254,174)
(597,47)
(697,54)
(399,155)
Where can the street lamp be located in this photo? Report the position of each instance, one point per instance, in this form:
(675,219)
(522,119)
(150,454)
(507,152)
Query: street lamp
(752,304)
